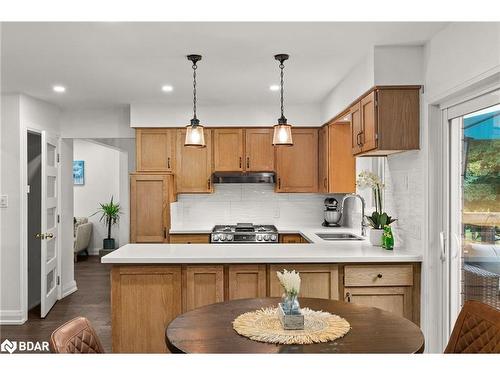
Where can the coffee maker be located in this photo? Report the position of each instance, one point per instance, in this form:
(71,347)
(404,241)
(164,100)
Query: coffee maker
(332,213)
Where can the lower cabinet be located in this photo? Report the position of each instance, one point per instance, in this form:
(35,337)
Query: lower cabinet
(317,280)
(203,285)
(144,300)
(292,238)
(247,281)
(189,238)
(388,287)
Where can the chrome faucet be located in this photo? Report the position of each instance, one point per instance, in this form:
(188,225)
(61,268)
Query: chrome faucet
(363,223)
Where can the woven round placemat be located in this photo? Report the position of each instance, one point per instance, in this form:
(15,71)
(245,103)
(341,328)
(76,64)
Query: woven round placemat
(264,325)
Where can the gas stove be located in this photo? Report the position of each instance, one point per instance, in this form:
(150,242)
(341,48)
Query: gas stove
(244,233)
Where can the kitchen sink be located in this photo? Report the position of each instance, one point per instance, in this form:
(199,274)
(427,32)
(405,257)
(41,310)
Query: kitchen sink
(339,237)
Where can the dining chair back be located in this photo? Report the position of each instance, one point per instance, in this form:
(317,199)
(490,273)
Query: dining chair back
(75,336)
(477,330)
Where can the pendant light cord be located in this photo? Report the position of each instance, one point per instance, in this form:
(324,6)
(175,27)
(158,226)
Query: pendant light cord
(282,83)
(194,90)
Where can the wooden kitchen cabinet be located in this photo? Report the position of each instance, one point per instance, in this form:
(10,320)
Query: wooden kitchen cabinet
(336,164)
(228,149)
(189,238)
(297,165)
(259,150)
(247,281)
(194,165)
(203,285)
(388,287)
(292,238)
(389,121)
(144,300)
(150,197)
(317,280)
(155,149)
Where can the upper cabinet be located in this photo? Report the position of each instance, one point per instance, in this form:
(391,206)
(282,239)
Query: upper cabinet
(237,149)
(259,150)
(194,165)
(297,165)
(386,121)
(228,149)
(155,149)
(336,164)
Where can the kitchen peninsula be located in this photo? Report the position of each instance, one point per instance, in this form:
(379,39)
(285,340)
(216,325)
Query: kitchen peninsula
(153,283)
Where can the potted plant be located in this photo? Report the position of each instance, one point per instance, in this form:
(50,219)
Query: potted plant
(110,214)
(378,219)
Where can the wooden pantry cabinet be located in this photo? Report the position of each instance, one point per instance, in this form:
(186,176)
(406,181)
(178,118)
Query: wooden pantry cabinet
(194,165)
(336,164)
(150,198)
(297,165)
(238,149)
(155,149)
(385,121)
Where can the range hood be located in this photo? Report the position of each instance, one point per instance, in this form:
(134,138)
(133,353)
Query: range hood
(243,177)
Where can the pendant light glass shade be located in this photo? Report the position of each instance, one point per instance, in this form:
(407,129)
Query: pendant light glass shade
(282,135)
(282,131)
(195,136)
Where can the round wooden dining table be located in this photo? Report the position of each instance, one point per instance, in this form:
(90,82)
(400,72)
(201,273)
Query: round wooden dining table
(209,329)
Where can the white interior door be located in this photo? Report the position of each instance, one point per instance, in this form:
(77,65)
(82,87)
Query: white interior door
(50,225)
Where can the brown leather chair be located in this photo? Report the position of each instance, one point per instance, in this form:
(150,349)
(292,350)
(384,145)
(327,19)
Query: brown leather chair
(477,330)
(76,336)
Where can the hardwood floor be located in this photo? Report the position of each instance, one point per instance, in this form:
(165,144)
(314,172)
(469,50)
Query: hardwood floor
(91,300)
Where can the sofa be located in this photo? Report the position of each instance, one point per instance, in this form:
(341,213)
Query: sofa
(82,232)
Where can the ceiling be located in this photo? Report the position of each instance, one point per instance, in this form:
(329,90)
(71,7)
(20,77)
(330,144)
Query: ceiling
(116,63)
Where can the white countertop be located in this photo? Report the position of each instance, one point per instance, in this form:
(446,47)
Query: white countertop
(317,251)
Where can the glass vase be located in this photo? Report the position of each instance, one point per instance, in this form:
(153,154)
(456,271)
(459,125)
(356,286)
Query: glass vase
(290,303)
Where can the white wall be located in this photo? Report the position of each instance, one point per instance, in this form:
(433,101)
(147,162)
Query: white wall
(113,122)
(257,203)
(161,115)
(102,180)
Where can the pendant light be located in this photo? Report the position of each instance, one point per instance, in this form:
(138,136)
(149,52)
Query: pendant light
(282,131)
(195,136)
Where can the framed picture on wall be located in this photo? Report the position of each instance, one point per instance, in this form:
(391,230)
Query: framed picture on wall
(78,172)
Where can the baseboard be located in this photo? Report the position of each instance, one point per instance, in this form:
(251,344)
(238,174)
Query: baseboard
(69,289)
(12,317)
(94,251)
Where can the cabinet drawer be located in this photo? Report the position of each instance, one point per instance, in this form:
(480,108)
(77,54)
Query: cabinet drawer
(377,275)
(189,238)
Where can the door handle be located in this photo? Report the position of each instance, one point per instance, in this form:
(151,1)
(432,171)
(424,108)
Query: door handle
(358,142)
(168,163)
(442,244)
(279,183)
(455,253)
(240,161)
(248,161)
(324,182)
(208,183)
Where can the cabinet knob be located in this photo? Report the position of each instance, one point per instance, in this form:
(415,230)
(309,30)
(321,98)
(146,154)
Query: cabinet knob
(379,275)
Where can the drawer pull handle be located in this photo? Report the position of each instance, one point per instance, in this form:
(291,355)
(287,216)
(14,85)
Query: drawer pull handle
(240,162)
(379,275)
(168,163)
(348,297)
(248,161)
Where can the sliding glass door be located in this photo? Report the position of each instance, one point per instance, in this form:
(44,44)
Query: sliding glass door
(473,236)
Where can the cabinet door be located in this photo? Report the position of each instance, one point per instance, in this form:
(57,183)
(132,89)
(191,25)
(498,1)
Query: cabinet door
(356,129)
(317,280)
(247,281)
(297,165)
(368,122)
(228,149)
(189,238)
(259,150)
(149,208)
(397,300)
(144,300)
(204,285)
(323,158)
(194,165)
(342,164)
(155,150)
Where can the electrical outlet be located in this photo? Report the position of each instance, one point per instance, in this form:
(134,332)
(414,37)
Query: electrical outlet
(4,201)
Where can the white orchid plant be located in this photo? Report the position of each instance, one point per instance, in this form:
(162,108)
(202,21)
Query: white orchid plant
(290,281)
(378,219)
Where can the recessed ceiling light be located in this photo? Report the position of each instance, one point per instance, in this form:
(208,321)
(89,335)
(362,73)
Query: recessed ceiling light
(274,87)
(167,88)
(58,88)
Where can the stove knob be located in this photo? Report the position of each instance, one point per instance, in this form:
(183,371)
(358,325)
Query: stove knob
(229,237)
(273,237)
(215,237)
(222,237)
(259,237)
(266,237)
